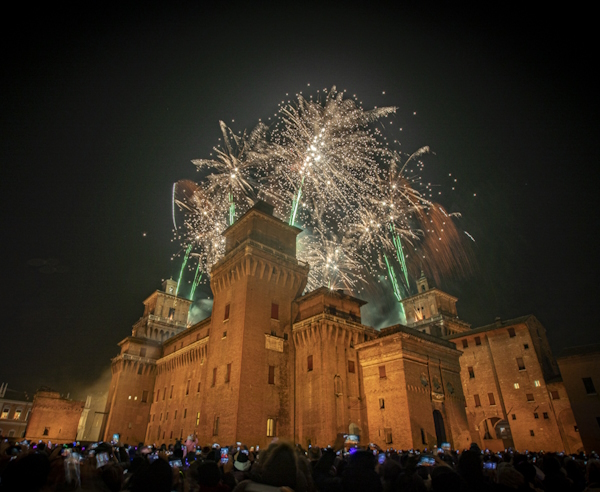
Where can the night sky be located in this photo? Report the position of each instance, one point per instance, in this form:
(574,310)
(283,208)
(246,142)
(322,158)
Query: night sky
(102,110)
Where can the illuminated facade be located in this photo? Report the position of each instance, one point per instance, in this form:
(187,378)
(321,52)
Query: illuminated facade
(273,362)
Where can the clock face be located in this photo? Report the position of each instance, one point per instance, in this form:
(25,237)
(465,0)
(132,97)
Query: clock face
(170,290)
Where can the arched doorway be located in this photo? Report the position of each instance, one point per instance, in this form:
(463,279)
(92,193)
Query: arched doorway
(440,429)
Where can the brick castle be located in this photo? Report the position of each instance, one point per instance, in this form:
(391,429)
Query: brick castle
(271,362)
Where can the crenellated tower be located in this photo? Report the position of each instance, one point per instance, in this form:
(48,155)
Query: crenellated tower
(134,369)
(329,390)
(248,384)
(433,311)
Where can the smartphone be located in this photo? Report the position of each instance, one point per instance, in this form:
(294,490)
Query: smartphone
(381,458)
(244,451)
(489,465)
(224,455)
(426,461)
(101,459)
(175,463)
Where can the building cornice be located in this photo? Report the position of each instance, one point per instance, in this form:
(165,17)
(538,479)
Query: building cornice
(182,351)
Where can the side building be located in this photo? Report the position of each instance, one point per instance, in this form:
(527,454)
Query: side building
(15,409)
(54,418)
(580,370)
(513,387)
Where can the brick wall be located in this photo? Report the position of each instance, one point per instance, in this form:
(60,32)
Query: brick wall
(580,363)
(54,418)
(510,362)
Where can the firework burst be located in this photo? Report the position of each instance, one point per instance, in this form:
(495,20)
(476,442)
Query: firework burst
(326,167)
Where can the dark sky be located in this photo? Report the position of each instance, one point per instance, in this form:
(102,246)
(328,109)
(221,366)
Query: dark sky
(102,110)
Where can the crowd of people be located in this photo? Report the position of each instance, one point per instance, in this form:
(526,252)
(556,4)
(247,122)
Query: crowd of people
(282,466)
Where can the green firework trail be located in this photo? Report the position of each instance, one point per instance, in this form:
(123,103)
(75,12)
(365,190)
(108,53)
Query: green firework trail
(393,279)
(400,255)
(197,279)
(295,204)
(185,259)
(231,209)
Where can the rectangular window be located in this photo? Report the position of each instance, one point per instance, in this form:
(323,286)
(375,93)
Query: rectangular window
(270,427)
(198,389)
(477,400)
(526,346)
(546,416)
(514,416)
(140,370)
(171,393)
(555,395)
(214,381)
(590,389)
(511,333)
(537,383)
(531,433)
(516,386)
(216,426)
(351,366)
(226,316)
(274,311)
(171,313)
(465,343)
(197,419)
(166,416)
(477,341)
(228,373)
(187,387)
(530,397)
(225,334)
(175,415)
(157,394)
(271,374)
(143,352)
(144,396)
(471,373)
(309,363)
(520,363)
(535,415)
(388,435)
(17,415)
(381,403)
(164,393)
(491,398)
(382,371)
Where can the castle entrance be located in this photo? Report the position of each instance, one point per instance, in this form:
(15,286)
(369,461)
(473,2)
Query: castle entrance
(440,429)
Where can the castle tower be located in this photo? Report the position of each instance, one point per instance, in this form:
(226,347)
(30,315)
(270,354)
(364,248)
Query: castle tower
(329,389)
(134,369)
(248,384)
(432,311)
